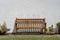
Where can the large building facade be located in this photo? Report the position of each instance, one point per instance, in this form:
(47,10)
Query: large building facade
(30,25)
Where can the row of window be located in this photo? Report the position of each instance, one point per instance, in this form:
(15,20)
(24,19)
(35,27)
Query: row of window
(30,20)
(29,30)
(23,25)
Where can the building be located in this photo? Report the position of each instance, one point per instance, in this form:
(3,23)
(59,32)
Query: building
(30,25)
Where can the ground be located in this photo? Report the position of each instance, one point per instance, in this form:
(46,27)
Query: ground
(29,37)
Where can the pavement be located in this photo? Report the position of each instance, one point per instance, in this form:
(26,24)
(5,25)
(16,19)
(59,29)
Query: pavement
(26,36)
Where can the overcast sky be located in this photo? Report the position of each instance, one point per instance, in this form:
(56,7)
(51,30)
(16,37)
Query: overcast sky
(12,9)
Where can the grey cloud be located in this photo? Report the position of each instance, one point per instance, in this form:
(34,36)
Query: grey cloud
(10,9)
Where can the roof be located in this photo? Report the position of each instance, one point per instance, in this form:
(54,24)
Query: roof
(30,18)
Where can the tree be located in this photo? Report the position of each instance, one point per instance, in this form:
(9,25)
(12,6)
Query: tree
(51,28)
(58,25)
(3,28)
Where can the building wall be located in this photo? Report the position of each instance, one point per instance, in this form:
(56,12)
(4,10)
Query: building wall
(30,25)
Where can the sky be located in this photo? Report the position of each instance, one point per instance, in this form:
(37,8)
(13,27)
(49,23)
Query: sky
(12,9)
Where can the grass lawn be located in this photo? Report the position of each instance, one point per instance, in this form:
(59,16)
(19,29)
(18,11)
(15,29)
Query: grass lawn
(31,38)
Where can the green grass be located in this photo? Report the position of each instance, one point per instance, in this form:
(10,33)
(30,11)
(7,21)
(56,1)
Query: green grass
(31,38)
